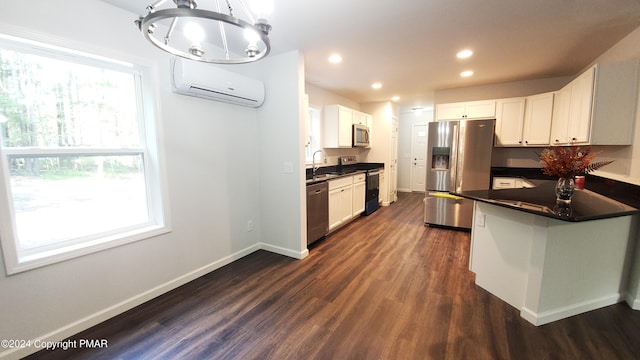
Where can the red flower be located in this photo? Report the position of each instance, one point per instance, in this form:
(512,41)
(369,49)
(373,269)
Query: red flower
(569,161)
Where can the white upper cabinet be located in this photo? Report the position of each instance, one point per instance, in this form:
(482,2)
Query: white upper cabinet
(337,126)
(598,107)
(524,121)
(466,110)
(538,115)
(509,121)
(578,126)
(360,118)
(560,120)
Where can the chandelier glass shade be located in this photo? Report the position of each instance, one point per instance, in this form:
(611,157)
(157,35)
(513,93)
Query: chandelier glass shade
(205,35)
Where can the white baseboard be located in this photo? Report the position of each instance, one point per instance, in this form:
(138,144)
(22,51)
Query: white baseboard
(284,251)
(112,311)
(632,301)
(546,317)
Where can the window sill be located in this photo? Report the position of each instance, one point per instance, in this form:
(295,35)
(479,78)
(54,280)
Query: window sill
(33,261)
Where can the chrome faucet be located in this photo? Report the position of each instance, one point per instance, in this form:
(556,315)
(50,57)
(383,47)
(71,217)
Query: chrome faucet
(313,159)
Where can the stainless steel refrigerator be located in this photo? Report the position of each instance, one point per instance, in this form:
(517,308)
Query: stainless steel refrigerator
(458,159)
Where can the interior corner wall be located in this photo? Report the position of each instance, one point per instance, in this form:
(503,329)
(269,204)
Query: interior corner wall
(281,155)
(213,177)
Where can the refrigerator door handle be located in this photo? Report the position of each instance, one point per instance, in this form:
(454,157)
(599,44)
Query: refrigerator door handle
(460,157)
(453,166)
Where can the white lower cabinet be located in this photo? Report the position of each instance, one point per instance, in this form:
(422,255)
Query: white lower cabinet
(340,201)
(359,193)
(346,199)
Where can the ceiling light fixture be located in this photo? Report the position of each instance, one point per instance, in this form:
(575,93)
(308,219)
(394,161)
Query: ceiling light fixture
(395,98)
(466,73)
(464,54)
(376,85)
(230,40)
(335,59)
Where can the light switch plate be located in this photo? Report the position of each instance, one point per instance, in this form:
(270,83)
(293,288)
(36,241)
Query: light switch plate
(480,219)
(288,167)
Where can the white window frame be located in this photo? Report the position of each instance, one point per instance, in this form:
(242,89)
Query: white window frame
(150,150)
(314,122)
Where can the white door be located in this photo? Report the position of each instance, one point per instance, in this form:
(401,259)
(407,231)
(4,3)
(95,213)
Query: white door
(418,157)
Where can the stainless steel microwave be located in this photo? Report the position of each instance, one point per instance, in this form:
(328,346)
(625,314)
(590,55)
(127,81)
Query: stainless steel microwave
(360,136)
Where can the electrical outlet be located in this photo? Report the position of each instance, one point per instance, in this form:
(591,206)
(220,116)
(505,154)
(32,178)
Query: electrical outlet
(250,225)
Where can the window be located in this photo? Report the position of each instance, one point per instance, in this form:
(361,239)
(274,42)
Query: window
(78,155)
(313,126)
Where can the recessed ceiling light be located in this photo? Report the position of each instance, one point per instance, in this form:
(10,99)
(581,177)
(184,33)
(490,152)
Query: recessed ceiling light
(376,85)
(395,98)
(335,59)
(464,54)
(466,73)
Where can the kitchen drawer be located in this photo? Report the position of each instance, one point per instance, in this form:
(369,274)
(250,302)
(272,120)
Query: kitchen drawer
(511,183)
(504,183)
(359,178)
(341,182)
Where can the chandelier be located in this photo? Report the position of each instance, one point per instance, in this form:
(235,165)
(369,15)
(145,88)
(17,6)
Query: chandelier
(207,36)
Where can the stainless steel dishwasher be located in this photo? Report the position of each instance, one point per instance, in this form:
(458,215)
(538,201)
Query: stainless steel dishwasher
(317,211)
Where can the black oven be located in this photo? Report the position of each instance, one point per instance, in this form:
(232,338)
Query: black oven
(373,192)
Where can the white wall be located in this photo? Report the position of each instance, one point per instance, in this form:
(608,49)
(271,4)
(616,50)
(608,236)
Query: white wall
(222,166)
(281,128)
(319,97)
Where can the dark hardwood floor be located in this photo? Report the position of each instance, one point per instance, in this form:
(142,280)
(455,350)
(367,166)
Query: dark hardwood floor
(383,287)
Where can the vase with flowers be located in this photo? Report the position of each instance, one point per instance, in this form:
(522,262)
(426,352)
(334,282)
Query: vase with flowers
(566,162)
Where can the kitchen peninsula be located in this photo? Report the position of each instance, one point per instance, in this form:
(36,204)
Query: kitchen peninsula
(551,261)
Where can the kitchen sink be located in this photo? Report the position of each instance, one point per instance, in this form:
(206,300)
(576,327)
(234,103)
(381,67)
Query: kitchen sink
(322,177)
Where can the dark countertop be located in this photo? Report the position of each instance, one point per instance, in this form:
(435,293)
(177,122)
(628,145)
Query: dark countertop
(327,173)
(541,200)
(623,192)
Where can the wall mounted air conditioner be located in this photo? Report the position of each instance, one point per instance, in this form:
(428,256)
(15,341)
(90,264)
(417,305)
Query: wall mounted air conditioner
(208,81)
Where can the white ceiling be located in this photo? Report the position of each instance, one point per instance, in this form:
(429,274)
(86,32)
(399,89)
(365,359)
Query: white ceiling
(410,45)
